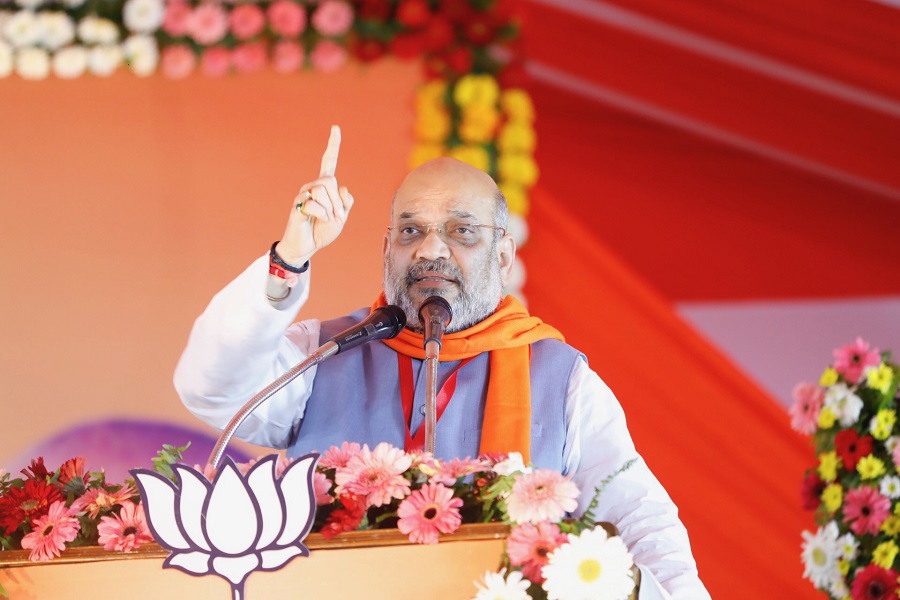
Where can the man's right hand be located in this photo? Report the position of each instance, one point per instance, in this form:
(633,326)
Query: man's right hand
(319,211)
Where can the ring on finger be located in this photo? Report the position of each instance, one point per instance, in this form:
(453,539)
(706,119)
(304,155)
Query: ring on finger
(299,206)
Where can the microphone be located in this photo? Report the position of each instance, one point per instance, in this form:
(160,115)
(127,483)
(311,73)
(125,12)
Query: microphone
(383,323)
(435,314)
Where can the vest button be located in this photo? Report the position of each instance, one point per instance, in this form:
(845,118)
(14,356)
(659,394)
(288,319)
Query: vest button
(422,410)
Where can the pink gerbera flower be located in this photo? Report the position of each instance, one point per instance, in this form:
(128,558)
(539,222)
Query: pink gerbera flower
(125,531)
(865,509)
(51,532)
(98,499)
(335,458)
(808,400)
(429,511)
(375,474)
(542,495)
(447,472)
(528,546)
(852,359)
(322,489)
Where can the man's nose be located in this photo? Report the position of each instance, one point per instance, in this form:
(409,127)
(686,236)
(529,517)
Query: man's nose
(433,246)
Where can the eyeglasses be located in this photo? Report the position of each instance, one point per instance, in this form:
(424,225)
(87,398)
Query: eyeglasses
(456,233)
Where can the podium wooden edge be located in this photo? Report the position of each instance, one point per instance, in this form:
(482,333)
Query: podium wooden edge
(314,541)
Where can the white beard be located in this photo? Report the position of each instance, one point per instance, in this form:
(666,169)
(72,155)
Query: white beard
(476,300)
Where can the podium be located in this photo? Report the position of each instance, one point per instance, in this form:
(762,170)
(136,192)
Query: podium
(379,564)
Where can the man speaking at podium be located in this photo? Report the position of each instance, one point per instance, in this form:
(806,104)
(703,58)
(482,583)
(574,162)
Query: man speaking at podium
(508,381)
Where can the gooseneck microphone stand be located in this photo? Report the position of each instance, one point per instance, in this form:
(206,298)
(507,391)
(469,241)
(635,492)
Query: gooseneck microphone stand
(383,323)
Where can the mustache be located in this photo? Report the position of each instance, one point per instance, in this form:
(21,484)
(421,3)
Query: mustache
(425,267)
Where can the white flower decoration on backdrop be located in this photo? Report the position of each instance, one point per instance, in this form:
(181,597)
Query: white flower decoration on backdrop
(235,525)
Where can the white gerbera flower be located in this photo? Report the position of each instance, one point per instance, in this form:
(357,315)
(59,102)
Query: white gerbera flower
(142,54)
(891,443)
(57,29)
(848,546)
(6,59)
(22,29)
(143,16)
(591,565)
(70,62)
(97,30)
(890,486)
(845,405)
(32,63)
(512,464)
(820,556)
(104,60)
(839,589)
(496,587)
(29,4)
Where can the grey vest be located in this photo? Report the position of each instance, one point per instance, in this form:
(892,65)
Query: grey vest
(356,398)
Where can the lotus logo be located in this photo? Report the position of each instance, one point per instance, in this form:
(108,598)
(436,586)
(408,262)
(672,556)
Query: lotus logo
(235,525)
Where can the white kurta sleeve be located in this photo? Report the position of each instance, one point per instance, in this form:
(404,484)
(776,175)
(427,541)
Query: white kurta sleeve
(239,345)
(597,444)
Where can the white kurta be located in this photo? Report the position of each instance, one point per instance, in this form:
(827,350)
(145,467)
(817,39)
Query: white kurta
(241,343)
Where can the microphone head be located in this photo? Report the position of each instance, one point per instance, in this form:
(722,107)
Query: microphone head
(396,316)
(435,307)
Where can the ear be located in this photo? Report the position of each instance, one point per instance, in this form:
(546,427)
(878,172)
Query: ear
(506,256)
(386,244)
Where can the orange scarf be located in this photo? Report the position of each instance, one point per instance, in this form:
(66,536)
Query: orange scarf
(507,335)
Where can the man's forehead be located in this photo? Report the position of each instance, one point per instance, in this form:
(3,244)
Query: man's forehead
(431,207)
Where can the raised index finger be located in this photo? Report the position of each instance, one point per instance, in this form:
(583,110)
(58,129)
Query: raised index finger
(330,158)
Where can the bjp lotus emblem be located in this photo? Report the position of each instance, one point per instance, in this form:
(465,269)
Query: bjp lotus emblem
(235,524)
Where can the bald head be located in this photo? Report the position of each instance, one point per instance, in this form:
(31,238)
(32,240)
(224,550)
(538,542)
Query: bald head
(448,180)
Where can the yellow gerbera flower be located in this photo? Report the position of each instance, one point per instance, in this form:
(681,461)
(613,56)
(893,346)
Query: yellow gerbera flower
(885,553)
(891,525)
(517,136)
(517,168)
(828,465)
(826,418)
(883,423)
(833,497)
(476,90)
(517,105)
(880,378)
(829,377)
(870,467)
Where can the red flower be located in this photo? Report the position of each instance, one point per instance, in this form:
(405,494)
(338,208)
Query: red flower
(376,10)
(408,45)
(73,469)
(459,60)
(850,447)
(368,49)
(480,29)
(811,491)
(438,34)
(29,502)
(37,470)
(874,583)
(413,13)
(347,518)
(457,11)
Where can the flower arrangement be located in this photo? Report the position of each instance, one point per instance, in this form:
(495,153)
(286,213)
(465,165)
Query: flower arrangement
(855,488)
(547,555)
(472,106)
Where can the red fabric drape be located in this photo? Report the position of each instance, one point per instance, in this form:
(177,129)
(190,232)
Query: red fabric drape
(721,447)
